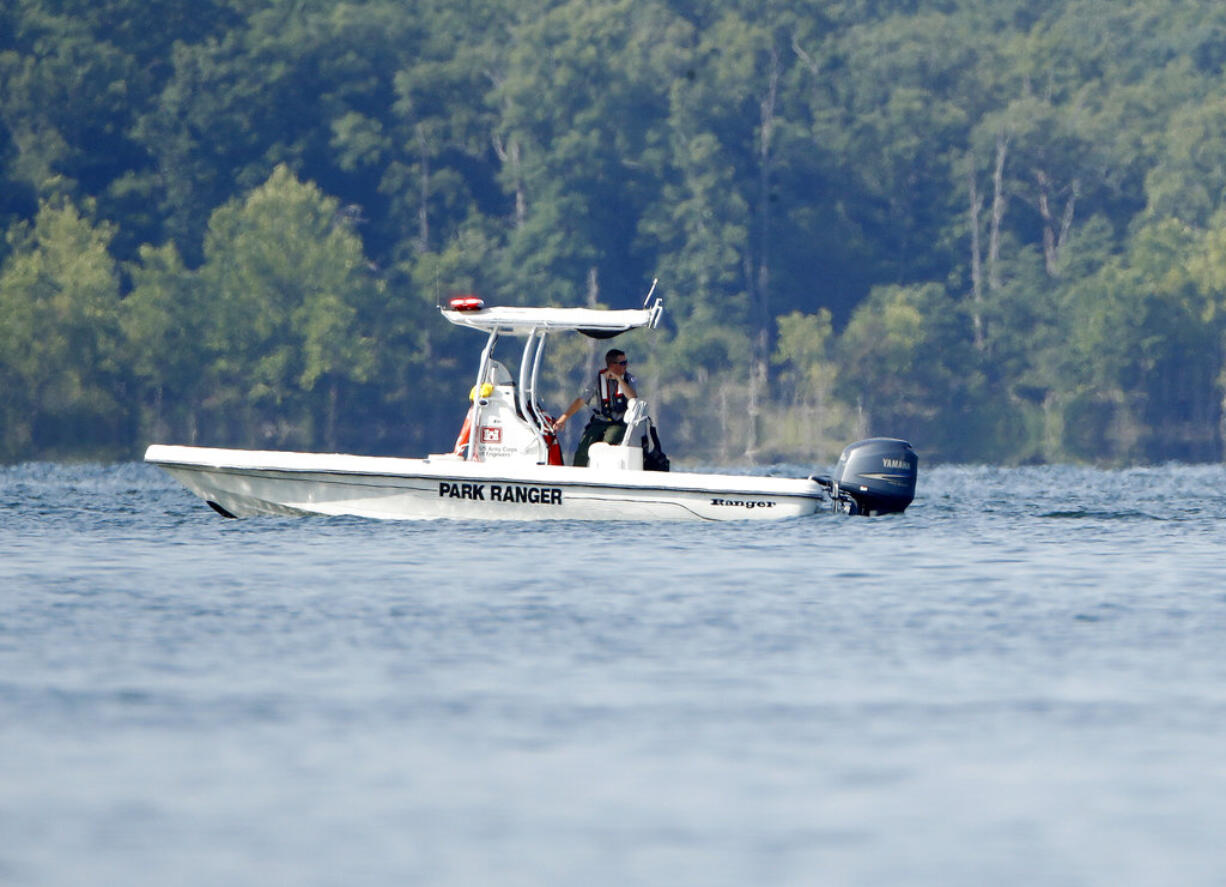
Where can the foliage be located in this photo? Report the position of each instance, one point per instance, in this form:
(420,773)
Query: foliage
(998,229)
(59,296)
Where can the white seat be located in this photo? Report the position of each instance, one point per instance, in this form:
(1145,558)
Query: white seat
(606,457)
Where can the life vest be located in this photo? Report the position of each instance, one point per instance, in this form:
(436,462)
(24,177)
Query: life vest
(465,432)
(611,400)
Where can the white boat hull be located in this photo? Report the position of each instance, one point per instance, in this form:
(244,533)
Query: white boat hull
(243,483)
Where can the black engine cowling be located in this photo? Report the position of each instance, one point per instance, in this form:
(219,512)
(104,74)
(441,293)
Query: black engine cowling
(875,476)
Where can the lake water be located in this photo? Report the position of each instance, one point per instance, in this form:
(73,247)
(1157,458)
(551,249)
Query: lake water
(1021,681)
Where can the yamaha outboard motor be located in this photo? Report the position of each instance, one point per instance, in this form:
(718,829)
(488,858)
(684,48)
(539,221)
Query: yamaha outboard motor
(875,476)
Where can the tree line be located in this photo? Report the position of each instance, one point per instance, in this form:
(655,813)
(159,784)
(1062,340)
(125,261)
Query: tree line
(996,229)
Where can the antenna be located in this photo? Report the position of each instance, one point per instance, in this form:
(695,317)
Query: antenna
(654,281)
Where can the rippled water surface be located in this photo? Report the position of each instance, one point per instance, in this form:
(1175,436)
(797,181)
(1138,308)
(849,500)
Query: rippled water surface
(1020,681)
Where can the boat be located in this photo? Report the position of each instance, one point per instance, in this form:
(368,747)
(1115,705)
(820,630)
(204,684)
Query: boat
(507,465)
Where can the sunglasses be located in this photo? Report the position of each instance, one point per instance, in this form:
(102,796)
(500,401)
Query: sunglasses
(621,363)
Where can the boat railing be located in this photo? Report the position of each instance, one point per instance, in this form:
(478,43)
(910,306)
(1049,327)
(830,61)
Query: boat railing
(529,370)
(637,419)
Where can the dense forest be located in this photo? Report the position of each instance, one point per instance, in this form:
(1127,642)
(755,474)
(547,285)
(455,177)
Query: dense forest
(994,228)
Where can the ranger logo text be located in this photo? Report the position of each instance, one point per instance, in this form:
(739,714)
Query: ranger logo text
(744,503)
(501,493)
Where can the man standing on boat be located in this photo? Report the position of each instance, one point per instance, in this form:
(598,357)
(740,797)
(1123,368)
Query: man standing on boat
(608,396)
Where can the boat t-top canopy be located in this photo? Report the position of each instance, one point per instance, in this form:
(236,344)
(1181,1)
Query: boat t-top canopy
(534,325)
(595,322)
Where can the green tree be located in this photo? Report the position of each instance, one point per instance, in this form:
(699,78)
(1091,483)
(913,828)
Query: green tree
(1190,182)
(285,284)
(579,102)
(278,88)
(59,299)
(905,362)
(808,419)
(162,320)
(1137,376)
(737,220)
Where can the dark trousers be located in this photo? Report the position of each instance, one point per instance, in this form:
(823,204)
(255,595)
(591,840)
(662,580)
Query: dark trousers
(598,429)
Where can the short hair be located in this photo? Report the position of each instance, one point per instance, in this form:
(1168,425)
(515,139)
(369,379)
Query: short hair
(612,354)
